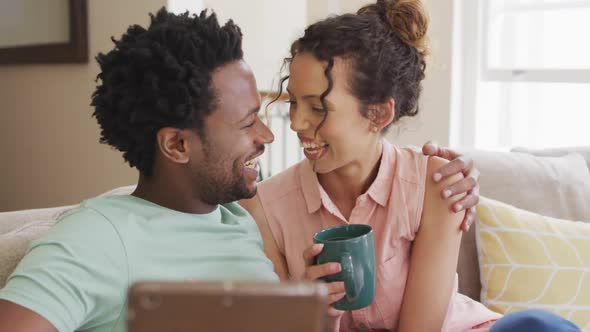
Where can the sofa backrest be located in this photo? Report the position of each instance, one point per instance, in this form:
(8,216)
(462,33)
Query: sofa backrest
(584,151)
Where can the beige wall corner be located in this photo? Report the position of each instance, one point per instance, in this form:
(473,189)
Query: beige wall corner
(433,120)
(48,139)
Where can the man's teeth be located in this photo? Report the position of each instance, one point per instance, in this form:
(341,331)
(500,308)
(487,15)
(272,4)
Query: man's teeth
(251,163)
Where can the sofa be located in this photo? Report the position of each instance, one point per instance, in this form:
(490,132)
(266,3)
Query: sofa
(554,183)
(550,182)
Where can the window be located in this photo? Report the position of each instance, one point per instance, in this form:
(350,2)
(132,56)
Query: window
(524,77)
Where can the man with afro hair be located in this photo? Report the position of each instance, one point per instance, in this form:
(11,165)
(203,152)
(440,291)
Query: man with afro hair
(180,103)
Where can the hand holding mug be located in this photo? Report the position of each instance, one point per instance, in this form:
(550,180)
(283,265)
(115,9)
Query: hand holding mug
(314,272)
(348,256)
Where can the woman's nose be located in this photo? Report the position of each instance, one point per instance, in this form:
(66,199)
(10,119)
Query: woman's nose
(298,121)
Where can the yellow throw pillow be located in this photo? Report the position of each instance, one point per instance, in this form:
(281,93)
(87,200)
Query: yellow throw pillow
(528,260)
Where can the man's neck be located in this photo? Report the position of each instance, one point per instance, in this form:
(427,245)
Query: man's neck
(171,195)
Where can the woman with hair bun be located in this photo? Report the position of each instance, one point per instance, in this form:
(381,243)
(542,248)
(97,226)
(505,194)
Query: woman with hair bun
(352,76)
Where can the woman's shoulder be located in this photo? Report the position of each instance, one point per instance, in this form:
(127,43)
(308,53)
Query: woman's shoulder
(411,165)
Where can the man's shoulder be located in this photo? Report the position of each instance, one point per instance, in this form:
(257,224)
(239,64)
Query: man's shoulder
(75,274)
(83,224)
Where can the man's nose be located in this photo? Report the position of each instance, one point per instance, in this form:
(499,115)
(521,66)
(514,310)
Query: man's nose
(265,135)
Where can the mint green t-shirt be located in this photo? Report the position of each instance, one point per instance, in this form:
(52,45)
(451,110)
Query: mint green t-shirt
(77,275)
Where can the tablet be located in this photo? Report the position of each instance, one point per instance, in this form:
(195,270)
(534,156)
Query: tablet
(227,306)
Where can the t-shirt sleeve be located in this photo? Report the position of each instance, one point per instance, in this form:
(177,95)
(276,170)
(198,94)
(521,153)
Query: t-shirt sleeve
(75,276)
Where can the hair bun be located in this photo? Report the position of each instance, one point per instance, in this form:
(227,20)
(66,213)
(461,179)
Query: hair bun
(407,18)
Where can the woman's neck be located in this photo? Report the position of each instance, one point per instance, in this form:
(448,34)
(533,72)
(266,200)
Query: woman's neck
(347,183)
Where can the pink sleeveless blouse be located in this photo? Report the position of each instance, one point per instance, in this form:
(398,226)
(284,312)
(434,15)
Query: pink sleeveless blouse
(296,207)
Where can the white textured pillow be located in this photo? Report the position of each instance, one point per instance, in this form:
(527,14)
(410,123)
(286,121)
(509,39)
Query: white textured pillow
(558,187)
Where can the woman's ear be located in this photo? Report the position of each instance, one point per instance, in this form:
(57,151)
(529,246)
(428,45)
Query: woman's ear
(381,115)
(173,144)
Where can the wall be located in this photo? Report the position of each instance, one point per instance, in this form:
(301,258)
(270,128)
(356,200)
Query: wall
(268,32)
(49,151)
(48,140)
(433,120)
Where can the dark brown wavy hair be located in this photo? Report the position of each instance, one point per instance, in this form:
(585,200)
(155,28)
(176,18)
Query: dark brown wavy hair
(386,45)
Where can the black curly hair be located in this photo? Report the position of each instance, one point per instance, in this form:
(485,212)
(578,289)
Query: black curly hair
(386,44)
(161,77)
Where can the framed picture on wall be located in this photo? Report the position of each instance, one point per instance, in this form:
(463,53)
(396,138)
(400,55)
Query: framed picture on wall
(43,31)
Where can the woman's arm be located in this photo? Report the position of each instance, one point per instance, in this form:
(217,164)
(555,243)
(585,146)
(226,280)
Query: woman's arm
(458,164)
(433,263)
(254,207)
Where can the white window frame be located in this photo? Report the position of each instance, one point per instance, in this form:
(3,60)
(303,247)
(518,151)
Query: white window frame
(470,63)
(529,75)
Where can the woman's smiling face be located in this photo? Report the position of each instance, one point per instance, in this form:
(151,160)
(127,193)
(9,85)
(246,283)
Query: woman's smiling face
(344,136)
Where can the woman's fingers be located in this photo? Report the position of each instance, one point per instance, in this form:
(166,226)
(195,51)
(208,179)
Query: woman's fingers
(314,272)
(335,313)
(461,164)
(310,253)
(463,186)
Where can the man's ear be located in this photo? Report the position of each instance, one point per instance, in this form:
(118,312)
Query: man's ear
(381,115)
(173,144)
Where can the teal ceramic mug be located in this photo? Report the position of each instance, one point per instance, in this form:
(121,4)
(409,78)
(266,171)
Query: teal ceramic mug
(353,246)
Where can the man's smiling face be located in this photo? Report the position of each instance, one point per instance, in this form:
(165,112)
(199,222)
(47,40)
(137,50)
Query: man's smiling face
(232,138)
